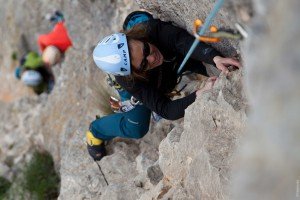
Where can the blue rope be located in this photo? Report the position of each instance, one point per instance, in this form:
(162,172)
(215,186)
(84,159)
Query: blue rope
(207,23)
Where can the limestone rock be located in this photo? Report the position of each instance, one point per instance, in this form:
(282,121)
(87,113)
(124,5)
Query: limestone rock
(195,158)
(268,160)
(155,174)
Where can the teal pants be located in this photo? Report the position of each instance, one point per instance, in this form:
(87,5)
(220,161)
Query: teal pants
(132,124)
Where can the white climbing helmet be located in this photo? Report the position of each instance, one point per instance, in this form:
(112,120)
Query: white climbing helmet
(31,78)
(51,55)
(112,55)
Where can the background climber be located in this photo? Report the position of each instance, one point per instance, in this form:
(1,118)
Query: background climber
(34,70)
(54,44)
(33,73)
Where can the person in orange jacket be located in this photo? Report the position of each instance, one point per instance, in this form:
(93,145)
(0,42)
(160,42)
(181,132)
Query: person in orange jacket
(53,45)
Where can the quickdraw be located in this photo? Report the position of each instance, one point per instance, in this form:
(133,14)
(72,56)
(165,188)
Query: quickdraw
(215,34)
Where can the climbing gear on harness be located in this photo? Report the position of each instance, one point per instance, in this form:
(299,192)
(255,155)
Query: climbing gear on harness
(113,83)
(51,55)
(134,101)
(126,106)
(32,78)
(123,106)
(215,34)
(207,23)
(95,146)
(115,104)
(176,92)
(136,17)
(112,55)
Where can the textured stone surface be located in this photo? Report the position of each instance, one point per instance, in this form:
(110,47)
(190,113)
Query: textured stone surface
(195,158)
(155,174)
(269,164)
(57,122)
(198,159)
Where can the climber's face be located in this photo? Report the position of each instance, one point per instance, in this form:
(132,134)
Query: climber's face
(144,56)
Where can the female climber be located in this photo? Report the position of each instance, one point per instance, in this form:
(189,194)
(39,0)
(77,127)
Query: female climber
(144,61)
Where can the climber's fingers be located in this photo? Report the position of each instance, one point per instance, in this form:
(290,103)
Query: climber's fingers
(223,63)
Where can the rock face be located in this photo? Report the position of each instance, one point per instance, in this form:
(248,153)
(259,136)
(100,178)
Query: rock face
(135,169)
(198,158)
(191,158)
(269,164)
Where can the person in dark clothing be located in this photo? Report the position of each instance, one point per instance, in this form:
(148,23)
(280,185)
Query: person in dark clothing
(144,61)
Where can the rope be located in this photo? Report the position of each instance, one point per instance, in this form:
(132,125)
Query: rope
(206,25)
(102,173)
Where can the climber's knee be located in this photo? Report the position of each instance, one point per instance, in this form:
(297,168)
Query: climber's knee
(140,133)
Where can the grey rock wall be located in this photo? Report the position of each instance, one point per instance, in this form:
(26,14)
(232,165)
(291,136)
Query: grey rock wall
(205,156)
(135,169)
(197,157)
(268,160)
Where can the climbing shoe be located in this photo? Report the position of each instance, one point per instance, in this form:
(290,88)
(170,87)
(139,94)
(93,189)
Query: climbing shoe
(95,146)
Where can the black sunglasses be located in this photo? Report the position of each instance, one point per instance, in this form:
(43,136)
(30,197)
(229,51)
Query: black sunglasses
(146,53)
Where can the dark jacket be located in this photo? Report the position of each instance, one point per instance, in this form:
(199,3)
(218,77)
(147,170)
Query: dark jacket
(173,42)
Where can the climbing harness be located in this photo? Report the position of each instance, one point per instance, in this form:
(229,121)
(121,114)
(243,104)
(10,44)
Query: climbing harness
(207,23)
(116,105)
(123,106)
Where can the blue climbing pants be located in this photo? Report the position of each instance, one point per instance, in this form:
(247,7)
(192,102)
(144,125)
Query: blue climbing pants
(131,124)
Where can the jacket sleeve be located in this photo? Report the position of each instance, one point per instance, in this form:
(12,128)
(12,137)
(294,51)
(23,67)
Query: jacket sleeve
(179,40)
(158,102)
(162,105)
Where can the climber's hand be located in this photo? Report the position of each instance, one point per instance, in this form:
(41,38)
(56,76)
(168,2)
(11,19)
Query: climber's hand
(223,63)
(208,85)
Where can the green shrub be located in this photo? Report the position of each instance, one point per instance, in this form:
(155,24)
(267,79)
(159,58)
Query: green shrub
(4,187)
(14,55)
(40,178)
